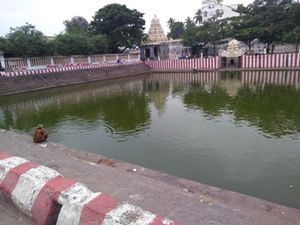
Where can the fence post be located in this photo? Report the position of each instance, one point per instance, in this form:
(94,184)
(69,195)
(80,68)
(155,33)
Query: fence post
(28,63)
(104,58)
(2,62)
(89,59)
(139,56)
(52,61)
(129,58)
(72,60)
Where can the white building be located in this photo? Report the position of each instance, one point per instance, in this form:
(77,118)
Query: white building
(213,9)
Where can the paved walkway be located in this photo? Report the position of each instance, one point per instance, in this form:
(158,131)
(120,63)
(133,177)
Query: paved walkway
(187,202)
(9,215)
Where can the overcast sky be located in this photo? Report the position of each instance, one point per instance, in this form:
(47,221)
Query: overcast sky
(48,15)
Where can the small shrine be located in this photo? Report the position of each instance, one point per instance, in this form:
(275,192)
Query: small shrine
(231,56)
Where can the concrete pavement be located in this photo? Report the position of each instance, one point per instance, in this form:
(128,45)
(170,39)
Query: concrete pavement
(10,215)
(185,201)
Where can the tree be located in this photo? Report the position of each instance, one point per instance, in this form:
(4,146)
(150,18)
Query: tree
(190,36)
(176,29)
(245,29)
(76,24)
(293,37)
(123,27)
(189,23)
(198,18)
(213,32)
(171,21)
(268,20)
(25,41)
(80,44)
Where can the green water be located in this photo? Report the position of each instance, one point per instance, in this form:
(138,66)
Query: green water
(239,131)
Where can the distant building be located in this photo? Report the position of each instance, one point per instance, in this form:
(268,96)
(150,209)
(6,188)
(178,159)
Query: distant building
(211,9)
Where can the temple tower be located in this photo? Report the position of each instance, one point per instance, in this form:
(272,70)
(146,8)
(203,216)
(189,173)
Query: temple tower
(156,33)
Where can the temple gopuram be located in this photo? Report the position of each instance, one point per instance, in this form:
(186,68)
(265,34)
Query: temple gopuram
(158,47)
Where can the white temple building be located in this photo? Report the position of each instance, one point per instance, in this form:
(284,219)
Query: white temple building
(212,9)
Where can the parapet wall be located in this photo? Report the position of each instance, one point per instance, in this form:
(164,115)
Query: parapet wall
(272,61)
(48,198)
(24,81)
(210,63)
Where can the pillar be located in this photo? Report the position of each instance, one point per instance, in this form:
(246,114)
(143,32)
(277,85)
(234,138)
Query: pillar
(151,52)
(2,62)
(28,62)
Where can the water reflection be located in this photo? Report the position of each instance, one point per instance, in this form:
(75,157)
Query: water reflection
(121,105)
(158,94)
(266,99)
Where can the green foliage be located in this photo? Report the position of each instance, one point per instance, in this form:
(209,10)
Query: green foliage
(267,20)
(191,36)
(293,36)
(25,41)
(80,44)
(189,23)
(78,40)
(212,32)
(76,24)
(123,27)
(176,29)
(270,21)
(245,29)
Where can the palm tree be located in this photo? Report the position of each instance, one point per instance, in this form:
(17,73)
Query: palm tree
(189,23)
(171,21)
(198,16)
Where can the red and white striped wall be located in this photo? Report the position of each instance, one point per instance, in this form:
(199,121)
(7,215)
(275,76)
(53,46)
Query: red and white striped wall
(65,69)
(289,77)
(48,198)
(210,63)
(274,61)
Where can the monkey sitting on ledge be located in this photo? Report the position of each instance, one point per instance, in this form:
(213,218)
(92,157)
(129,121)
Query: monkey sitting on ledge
(39,134)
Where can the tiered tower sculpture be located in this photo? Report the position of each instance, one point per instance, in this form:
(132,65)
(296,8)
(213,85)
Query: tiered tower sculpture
(156,33)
